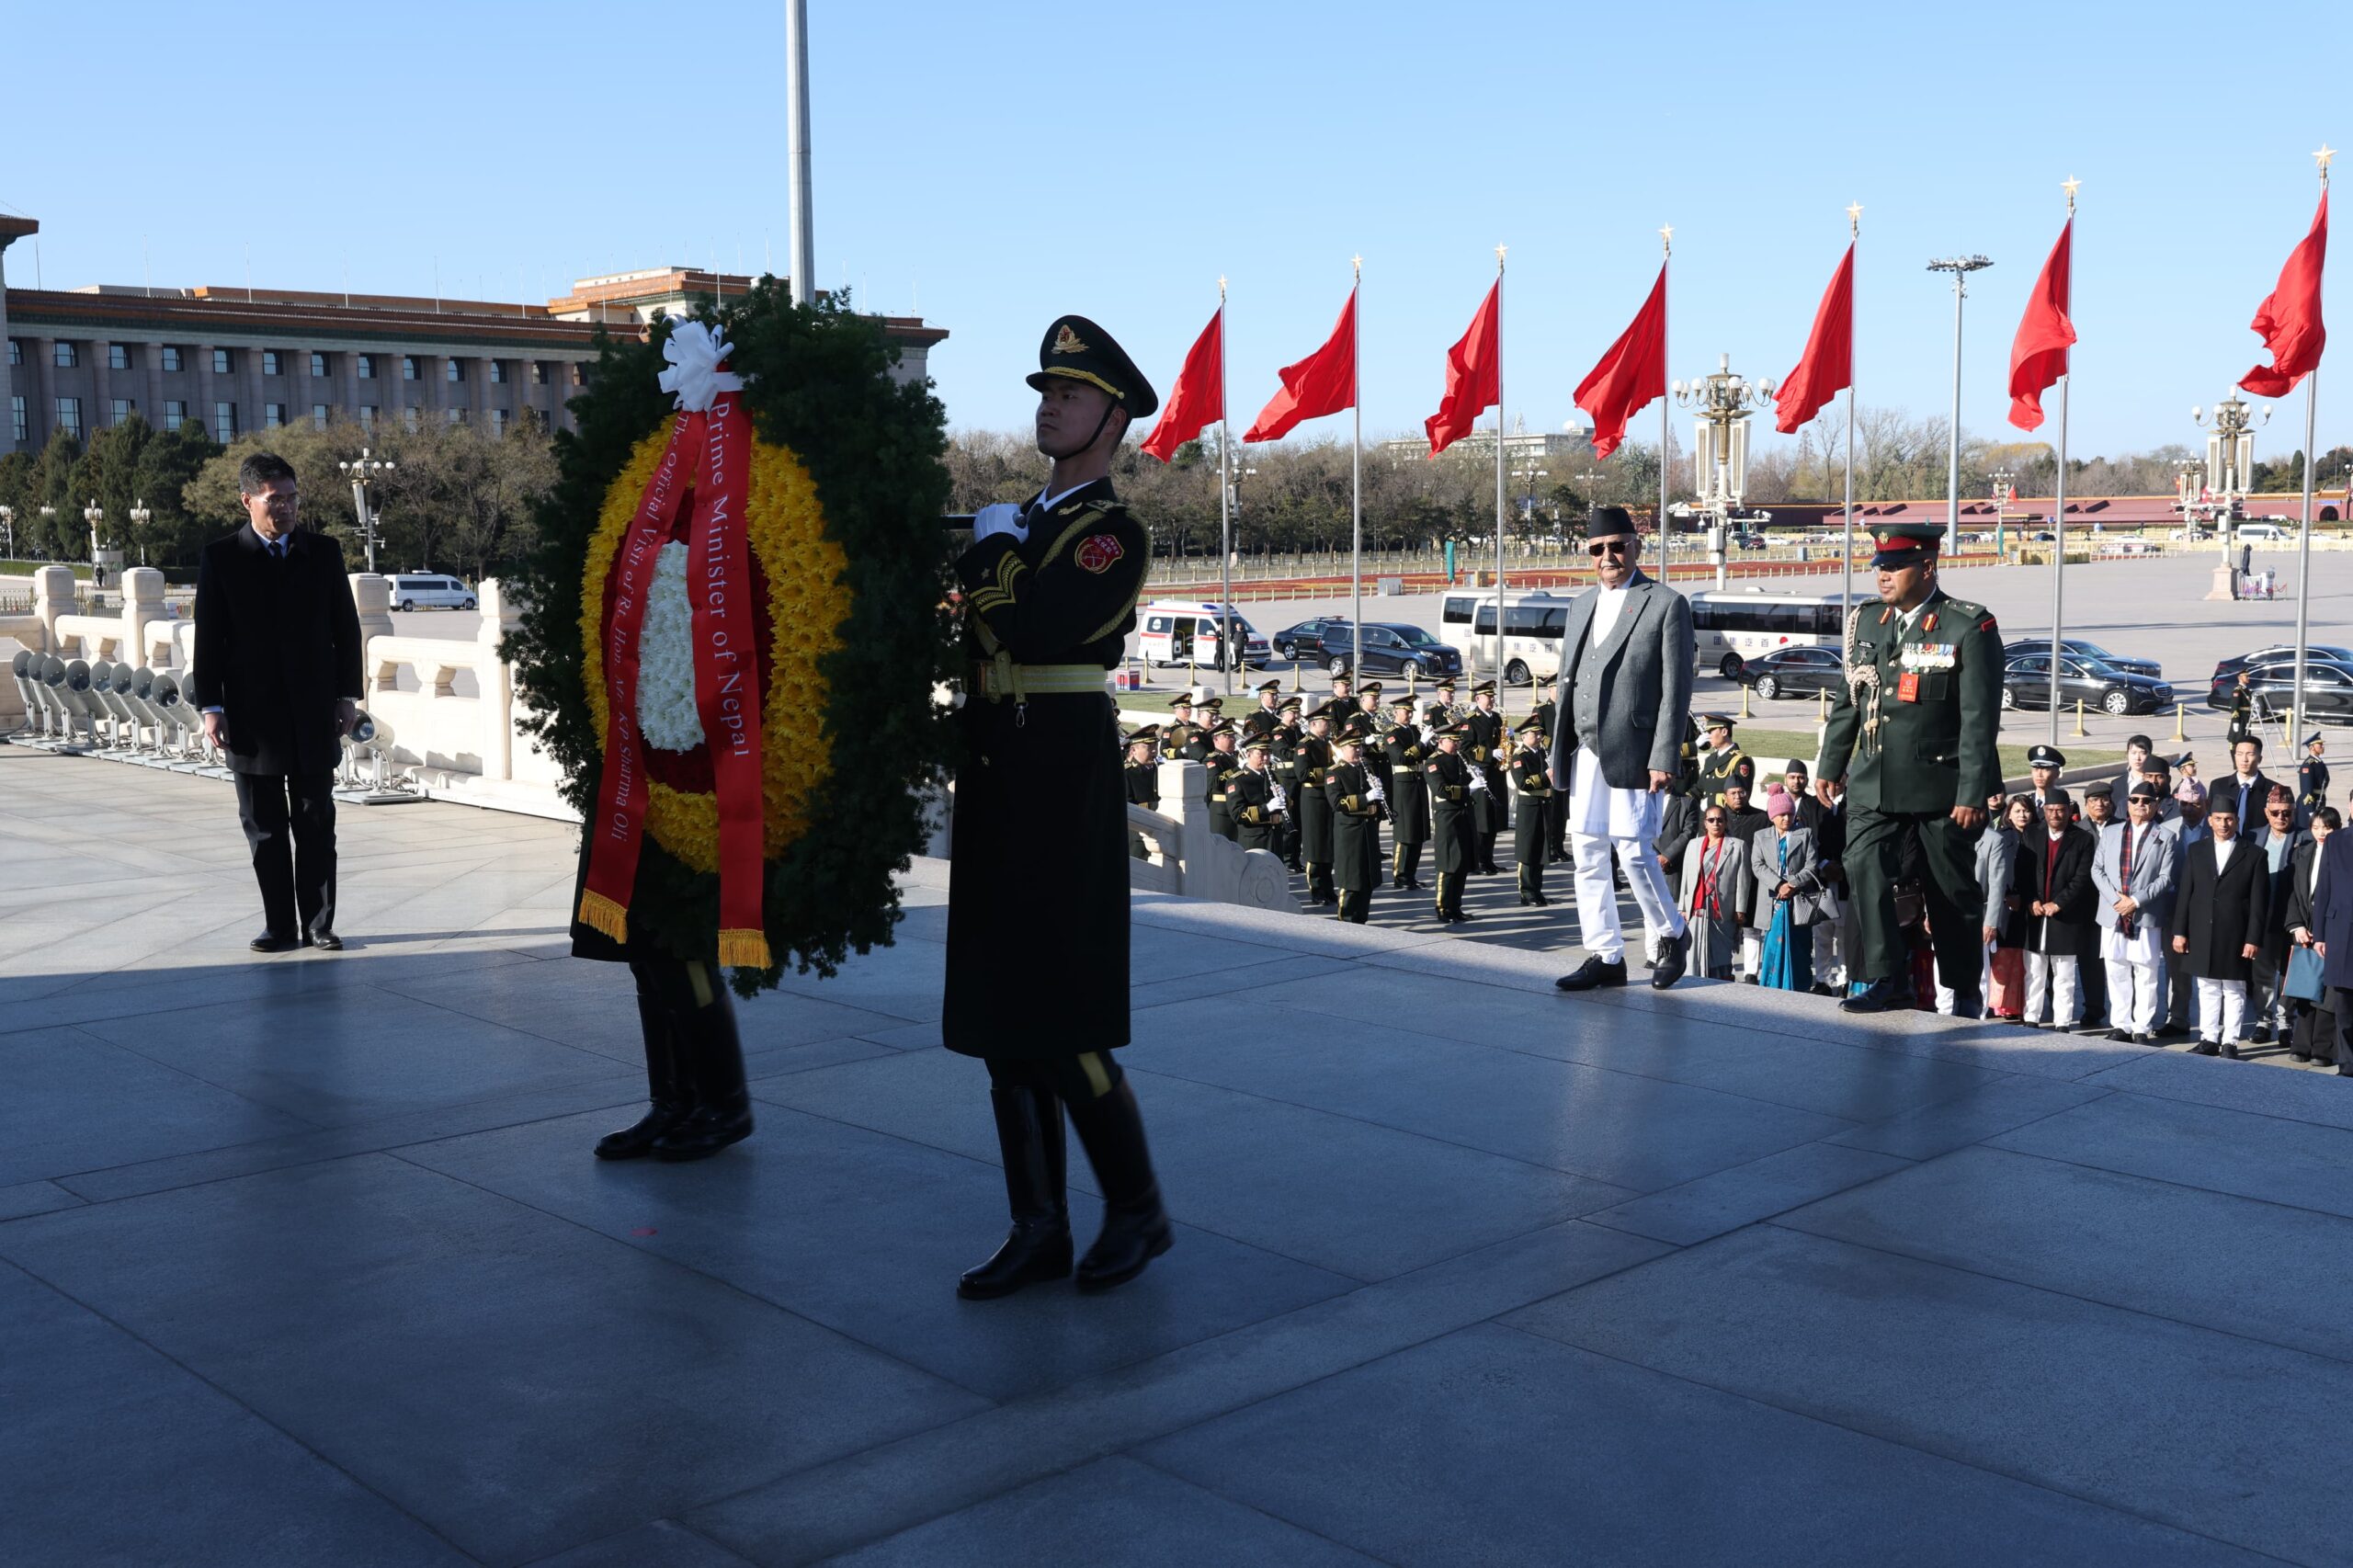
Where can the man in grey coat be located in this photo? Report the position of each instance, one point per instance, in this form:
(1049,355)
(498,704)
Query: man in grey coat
(1625,705)
(2133,870)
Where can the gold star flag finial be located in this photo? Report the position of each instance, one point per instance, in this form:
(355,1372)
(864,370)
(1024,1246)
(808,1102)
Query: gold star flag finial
(1854,217)
(2070,185)
(1357,262)
(1221,285)
(1499,256)
(2322,158)
(1666,237)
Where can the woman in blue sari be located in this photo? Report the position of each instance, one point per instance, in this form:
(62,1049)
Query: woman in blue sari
(1782,864)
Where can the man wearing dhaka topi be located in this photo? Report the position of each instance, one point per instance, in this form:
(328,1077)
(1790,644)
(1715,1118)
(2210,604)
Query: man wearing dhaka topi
(1038,886)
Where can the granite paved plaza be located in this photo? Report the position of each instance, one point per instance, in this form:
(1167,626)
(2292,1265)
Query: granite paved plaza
(304,1261)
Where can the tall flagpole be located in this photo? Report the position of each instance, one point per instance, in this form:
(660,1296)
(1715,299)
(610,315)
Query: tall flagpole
(2059,517)
(1500,474)
(1230,646)
(1667,252)
(1356,474)
(1847,557)
(2304,543)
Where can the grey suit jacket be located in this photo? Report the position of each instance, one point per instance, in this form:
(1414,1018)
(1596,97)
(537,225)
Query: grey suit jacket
(2155,866)
(1628,700)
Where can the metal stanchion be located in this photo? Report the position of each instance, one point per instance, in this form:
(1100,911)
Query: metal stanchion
(2080,730)
(2180,713)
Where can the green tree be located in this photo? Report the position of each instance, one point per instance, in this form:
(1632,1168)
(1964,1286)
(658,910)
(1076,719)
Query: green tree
(59,532)
(168,465)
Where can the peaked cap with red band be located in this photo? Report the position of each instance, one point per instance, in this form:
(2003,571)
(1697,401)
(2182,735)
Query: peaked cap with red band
(1907,544)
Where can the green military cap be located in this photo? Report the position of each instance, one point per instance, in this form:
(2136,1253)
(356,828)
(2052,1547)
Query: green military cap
(1076,349)
(2312,739)
(1531,723)
(1181,700)
(1145,734)
(1369,688)
(1351,736)
(1445,683)
(1402,699)
(1290,704)
(1444,730)
(1714,722)
(1331,713)
(1218,727)
(1907,544)
(1486,686)
(1269,686)
(1211,704)
(1256,743)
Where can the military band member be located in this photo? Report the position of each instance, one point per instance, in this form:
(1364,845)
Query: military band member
(1722,762)
(1532,832)
(2311,778)
(2242,723)
(1911,736)
(1484,746)
(1289,731)
(1142,774)
(1453,784)
(1037,952)
(1268,713)
(1344,698)
(1177,734)
(1314,755)
(1209,710)
(1353,793)
(1444,694)
(1218,764)
(1556,815)
(1369,703)
(1259,804)
(1403,752)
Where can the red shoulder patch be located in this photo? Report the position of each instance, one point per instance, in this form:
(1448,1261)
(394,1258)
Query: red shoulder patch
(1098,552)
(1986,624)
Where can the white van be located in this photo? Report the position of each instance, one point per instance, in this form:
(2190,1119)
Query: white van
(1534,627)
(1176,633)
(427,590)
(2263,533)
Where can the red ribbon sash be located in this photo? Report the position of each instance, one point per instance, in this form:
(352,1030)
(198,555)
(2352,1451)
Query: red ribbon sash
(727,677)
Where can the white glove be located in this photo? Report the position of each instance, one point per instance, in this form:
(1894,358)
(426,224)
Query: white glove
(1429,735)
(1278,799)
(1372,790)
(1478,782)
(1003,518)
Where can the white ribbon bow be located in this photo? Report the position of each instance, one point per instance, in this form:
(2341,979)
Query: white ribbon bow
(695,352)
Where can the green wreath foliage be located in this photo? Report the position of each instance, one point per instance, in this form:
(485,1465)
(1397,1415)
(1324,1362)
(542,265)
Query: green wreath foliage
(816,379)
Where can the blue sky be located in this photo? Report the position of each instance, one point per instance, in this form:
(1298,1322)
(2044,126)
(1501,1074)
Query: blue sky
(997,163)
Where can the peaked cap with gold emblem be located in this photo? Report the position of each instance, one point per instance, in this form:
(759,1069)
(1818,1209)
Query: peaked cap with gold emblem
(1077,348)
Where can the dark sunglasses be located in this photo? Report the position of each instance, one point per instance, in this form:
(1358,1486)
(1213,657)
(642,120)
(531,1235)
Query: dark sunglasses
(1713,822)
(1607,547)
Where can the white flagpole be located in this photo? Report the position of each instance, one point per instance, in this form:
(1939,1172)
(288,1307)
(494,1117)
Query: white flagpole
(1847,556)
(1500,499)
(1355,476)
(2304,542)
(1667,250)
(2059,516)
(1229,647)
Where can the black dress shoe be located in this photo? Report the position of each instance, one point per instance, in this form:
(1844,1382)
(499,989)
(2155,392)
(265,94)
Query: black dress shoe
(1593,973)
(2259,1035)
(2207,1048)
(326,941)
(1668,968)
(2145,1039)
(1880,996)
(2122,1037)
(271,942)
(2300,1056)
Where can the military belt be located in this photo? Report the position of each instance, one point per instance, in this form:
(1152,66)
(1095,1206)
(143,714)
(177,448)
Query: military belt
(1000,677)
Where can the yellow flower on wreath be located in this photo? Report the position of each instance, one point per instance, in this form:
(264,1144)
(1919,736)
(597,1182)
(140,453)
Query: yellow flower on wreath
(808,604)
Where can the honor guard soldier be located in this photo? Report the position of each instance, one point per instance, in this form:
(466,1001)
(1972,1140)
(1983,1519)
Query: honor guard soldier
(1722,762)
(1264,718)
(1403,752)
(1219,764)
(1256,801)
(1452,783)
(1196,745)
(1484,745)
(1037,960)
(1533,827)
(1912,736)
(1177,733)
(2311,778)
(1314,755)
(2242,724)
(1354,795)
(1142,774)
(1289,731)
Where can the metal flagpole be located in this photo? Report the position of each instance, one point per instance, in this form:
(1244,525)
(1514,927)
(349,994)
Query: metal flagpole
(2059,510)
(1499,474)
(1847,559)
(803,261)
(2304,543)
(1666,251)
(1356,475)
(1228,644)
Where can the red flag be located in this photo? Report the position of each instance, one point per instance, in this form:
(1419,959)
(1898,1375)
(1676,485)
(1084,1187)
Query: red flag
(1198,400)
(1827,365)
(1474,373)
(1324,383)
(2289,318)
(2038,353)
(1630,375)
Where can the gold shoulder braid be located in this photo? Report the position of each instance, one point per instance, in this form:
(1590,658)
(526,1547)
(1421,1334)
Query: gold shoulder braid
(1862,675)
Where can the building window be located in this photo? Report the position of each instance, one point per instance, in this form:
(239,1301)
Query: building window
(269,363)
(66,356)
(69,416)
(408,419)
(318,367)
(16,352)
(16,420)
(453,369)
(123,409)
(367,416)
(498,372)
(408,366)
(365,366)
(225,361)
(318,416)
(172,357)
(117,357)
(273,414)
(539,372)
(579,373)
(224,421)
(498,421)
(174,413)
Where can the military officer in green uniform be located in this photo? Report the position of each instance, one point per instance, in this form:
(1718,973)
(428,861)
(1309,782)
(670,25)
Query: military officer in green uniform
(1353,793)
(1209,710)
(2311,778)
(1532,832)
(1402,752)
(1315,753)
(1912,738)
(1449,781)
(1036,959)
(1252,795)
(1142,774)
(1484,746)
(1443,694)
(1369,706)
(1288,732)
(1722,762)
(1268,713)
(1218,764)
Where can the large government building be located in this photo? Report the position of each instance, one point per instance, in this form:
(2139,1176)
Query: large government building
(241,359)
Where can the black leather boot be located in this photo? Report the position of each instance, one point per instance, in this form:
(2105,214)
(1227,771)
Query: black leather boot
(1038,1248)
(714,1062)
(664,1082)
(1135,1227)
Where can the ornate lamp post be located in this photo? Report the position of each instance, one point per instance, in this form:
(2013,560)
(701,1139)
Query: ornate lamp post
(8,525)
(363,472)
(1525,477)
(140,515)
(2005,490)
(1719,462)
(2230,428)
(1961,266)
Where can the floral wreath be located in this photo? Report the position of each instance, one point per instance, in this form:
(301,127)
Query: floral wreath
(800,489)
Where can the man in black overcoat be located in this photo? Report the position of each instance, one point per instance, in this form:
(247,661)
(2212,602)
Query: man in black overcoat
(276,677)
(2220,916)
(1037,883)
(2314,1030)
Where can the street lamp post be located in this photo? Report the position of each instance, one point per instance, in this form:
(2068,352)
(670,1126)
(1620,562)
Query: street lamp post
(94,517)
(140,515)
(2005,490)
(8,525)
(363,472)
(1720,434)
(1961,266)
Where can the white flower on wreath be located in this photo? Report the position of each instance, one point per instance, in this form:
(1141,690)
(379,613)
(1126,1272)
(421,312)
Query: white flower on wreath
(666,717)
(695,351)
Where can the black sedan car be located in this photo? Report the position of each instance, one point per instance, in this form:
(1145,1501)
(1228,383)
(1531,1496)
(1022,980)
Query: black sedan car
(2025,683)
(1793,672)
(1307,634)
(2279,651)
(2084,650)
(1391,647)
(2271,685)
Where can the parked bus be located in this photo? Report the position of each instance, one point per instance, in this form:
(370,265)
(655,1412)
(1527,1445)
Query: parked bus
(1729,625)
(1532,626)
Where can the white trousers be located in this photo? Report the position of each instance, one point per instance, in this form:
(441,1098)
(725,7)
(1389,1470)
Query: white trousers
(2053,973)
(2221,1009)
(1597,922)
(1752,951)
(2136,992)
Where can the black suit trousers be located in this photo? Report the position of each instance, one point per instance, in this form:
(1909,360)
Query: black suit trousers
(288,819)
